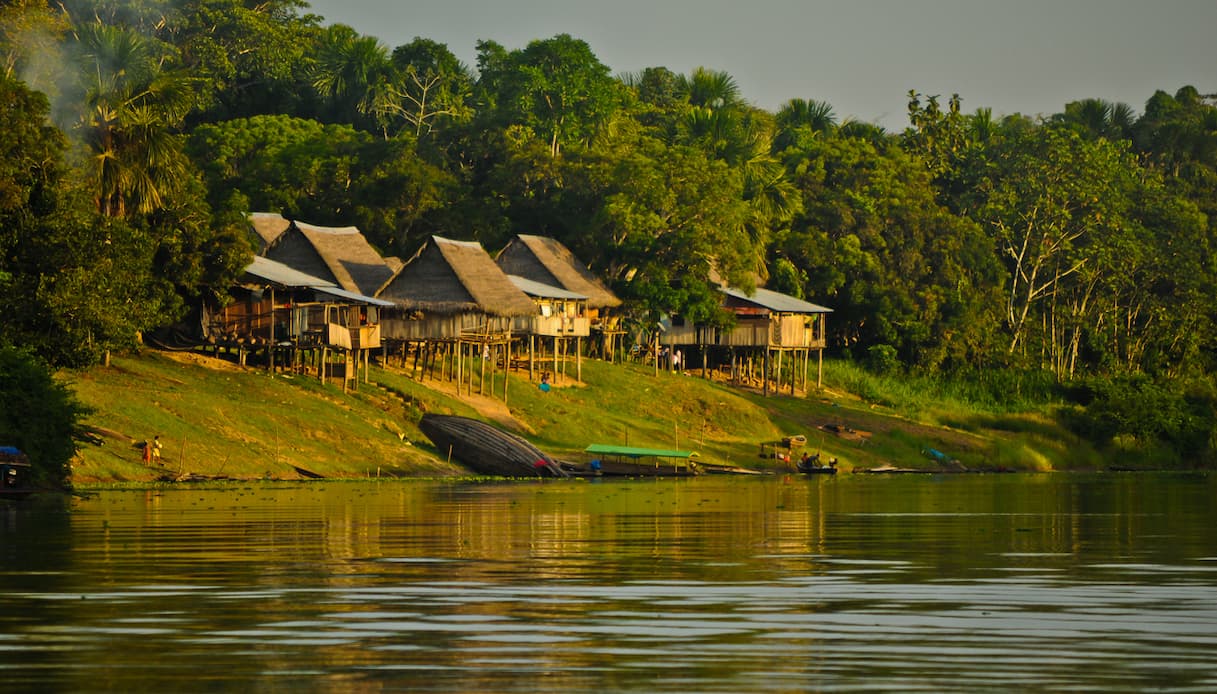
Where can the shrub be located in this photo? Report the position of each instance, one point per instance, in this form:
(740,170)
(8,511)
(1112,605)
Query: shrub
(38,415)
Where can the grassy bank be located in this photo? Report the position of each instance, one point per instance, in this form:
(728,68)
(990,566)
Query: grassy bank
(215,418)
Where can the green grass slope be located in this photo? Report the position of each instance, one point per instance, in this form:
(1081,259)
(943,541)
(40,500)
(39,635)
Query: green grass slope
(217,419)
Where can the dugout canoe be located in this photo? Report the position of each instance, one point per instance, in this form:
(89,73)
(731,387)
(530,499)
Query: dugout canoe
(486,449)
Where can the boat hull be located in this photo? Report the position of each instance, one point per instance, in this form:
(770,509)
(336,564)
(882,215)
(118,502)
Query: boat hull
(486,449)
(15,475)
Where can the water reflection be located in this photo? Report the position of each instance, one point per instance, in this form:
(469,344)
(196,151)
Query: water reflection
(709,584)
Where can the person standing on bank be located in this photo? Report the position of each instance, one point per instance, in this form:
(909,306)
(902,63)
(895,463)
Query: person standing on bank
(156,449)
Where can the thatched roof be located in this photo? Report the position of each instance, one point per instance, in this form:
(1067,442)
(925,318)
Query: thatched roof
(267,226)
(339,254)
(448,277)
(542,259)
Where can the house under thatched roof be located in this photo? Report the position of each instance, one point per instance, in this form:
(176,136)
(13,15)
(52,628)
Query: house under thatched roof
(267,226)
(545,260)
(449,277)
(340,254)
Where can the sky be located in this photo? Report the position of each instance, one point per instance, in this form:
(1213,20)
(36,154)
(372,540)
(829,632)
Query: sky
(860,56)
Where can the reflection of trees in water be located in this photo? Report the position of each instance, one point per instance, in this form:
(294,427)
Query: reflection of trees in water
(458,583)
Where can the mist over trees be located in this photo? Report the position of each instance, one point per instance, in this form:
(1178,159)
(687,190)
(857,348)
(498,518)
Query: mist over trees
(137,133)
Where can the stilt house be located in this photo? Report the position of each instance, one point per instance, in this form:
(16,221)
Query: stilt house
(288,313)
(768,326)
(451,299)
(561,318)
(546,261)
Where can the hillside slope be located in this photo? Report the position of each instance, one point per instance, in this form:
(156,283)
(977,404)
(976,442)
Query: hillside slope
(218,419)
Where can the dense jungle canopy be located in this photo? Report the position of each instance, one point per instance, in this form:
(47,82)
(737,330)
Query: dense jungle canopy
(139,132)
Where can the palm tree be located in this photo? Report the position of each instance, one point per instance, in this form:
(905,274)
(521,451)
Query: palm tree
(355,73)
(711,89)
(1099,118)
(129,106)
(802,115)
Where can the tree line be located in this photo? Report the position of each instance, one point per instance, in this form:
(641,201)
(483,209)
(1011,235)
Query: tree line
(139,132)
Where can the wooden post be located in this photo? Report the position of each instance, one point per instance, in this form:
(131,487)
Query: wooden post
(777,374)
(765,373)
(506,365)
(656,353)
(819,368)
(555,358)
(482,370)
(532,355)
(579,359)
(270,344)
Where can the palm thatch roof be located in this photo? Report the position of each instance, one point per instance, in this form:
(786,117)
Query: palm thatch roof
(545,260)
(267,226)
(450,277)
(339,254)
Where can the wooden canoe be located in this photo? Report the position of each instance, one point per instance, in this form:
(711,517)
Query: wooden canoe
(486,449)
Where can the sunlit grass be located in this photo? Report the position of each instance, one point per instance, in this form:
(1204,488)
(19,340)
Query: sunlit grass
(219,420)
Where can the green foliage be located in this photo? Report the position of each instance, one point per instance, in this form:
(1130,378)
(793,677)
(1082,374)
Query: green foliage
(555,88)
(896,267)
(1139,413)
(882,360)
(38,415)
(75,284)
(1080,243)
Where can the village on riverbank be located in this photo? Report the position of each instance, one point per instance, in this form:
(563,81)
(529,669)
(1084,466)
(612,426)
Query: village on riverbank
(329,355)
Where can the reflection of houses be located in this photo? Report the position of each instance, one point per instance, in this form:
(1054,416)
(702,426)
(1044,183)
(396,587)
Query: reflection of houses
(296,319)
(545,260)
(561,316)
(769,326)
(453,306)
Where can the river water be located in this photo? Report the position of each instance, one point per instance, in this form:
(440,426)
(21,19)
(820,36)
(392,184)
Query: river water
(714,584)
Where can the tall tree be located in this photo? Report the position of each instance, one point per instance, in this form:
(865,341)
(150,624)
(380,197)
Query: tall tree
(898,268)
(126,108)
(432,87)
(354,73)
(73,284)
(555,88)
(800,118)
(1063,212)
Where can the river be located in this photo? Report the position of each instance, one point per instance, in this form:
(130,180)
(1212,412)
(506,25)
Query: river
(1080,582)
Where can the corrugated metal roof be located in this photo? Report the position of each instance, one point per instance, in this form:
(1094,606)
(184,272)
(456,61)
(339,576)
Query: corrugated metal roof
(545,291)
(776,301)
(277,273)
(352,296)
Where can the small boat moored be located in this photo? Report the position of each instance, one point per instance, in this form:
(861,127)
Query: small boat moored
(16,475)
(632,461)
(486,449)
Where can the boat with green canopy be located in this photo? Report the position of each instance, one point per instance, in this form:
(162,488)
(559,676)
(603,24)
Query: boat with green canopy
(633,461)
